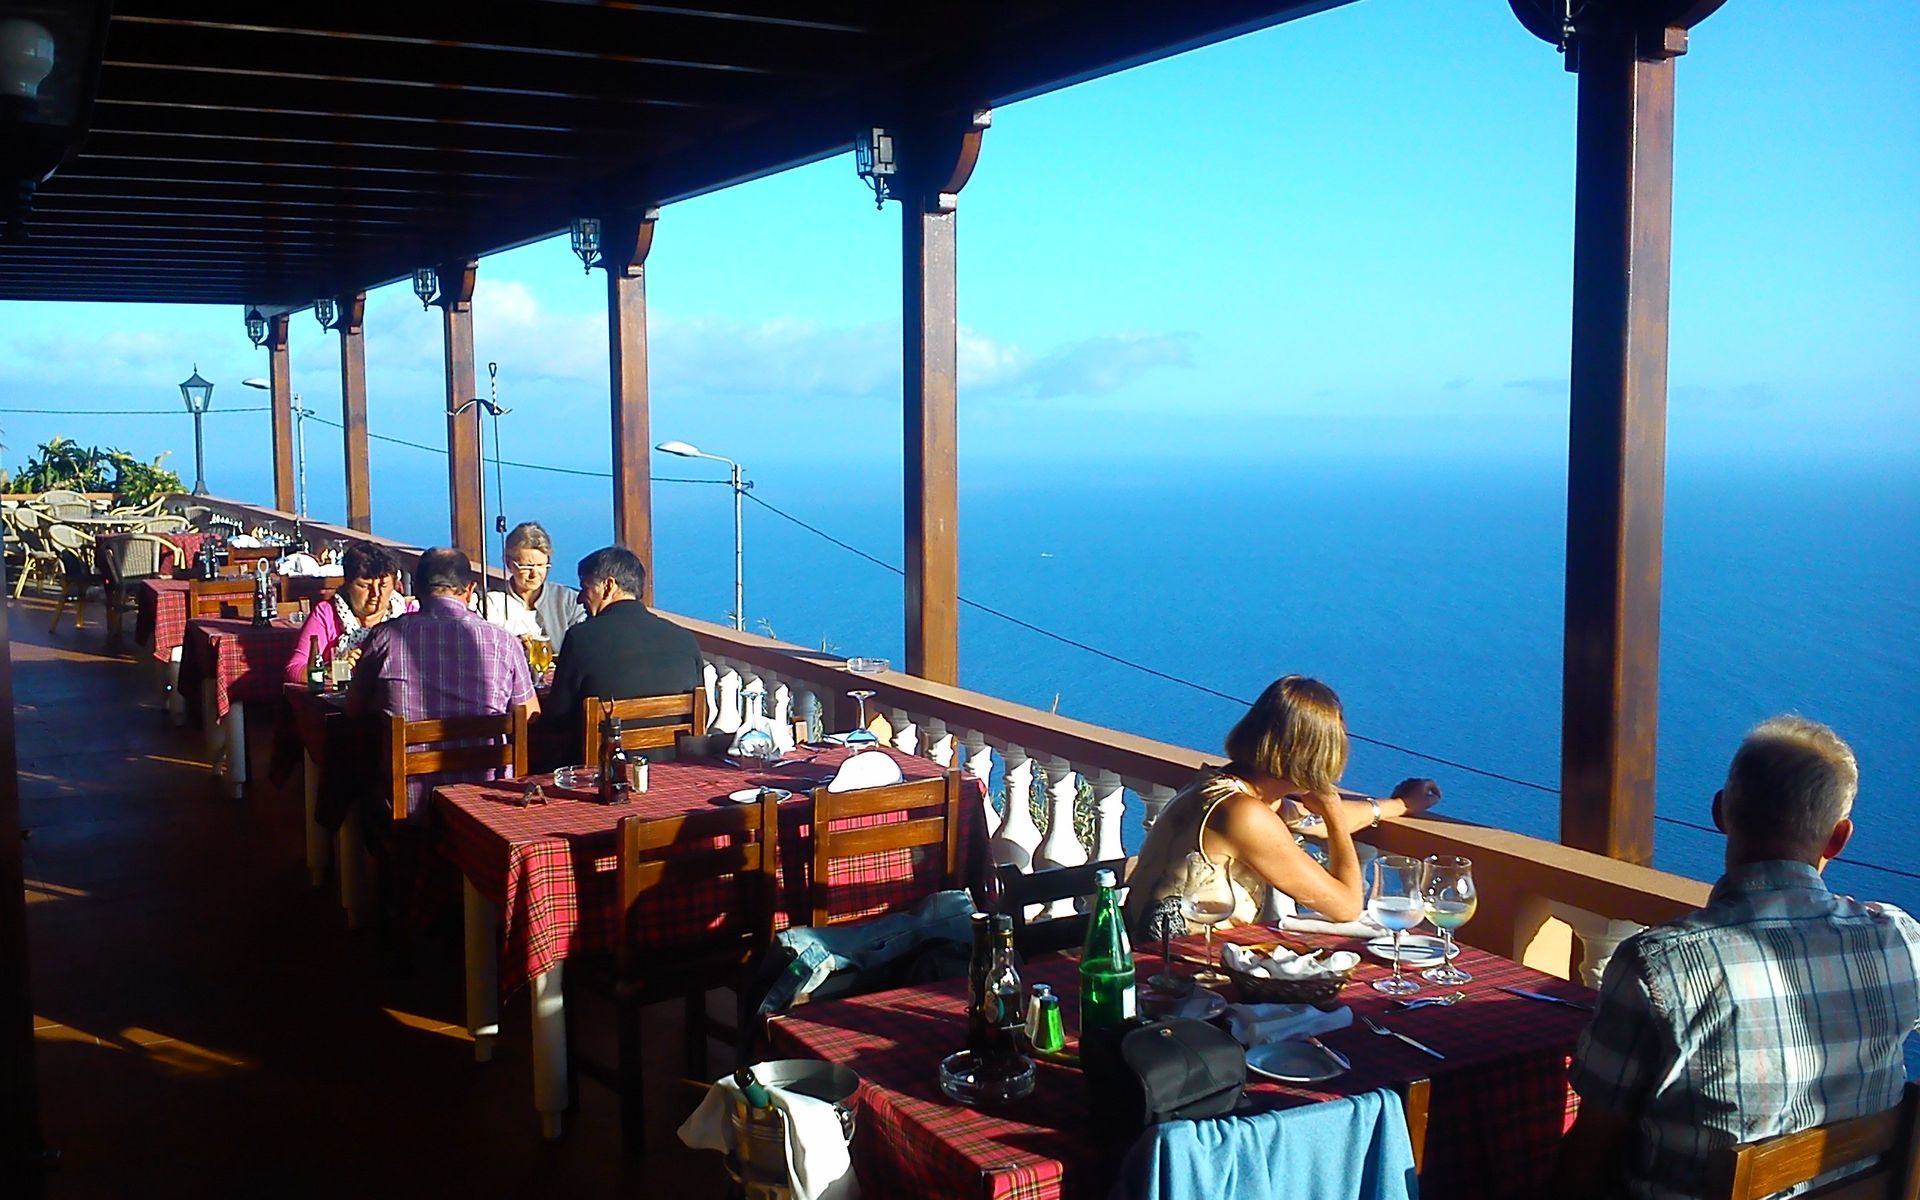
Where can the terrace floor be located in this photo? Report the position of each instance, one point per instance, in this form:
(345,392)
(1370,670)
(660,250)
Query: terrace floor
(206,1024)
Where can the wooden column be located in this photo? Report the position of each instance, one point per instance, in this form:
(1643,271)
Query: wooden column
(280,376)
(625,243)
(1616,465)
(463,431)
(937,158)
(351,325)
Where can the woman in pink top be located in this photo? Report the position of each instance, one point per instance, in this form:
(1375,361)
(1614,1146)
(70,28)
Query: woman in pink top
(369,594)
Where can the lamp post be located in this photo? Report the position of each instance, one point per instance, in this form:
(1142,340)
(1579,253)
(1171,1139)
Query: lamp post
(739,494)
(198,394)
(300,443)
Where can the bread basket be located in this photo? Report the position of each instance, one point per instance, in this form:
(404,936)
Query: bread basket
(1322,991)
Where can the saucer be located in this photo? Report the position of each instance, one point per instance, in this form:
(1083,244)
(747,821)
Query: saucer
(1292,1062)
(1416,949)
(750,795)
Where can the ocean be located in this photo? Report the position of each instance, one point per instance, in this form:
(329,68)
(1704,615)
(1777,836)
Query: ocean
(1429,598)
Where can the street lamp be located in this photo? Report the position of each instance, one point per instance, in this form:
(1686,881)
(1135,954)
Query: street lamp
(198,394)
(256,327)
(584,234)
(300,441)
(739,493)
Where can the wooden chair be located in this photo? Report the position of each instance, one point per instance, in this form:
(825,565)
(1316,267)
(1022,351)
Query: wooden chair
(240,559)
(739,844)
(940,831)
(1018,889)
(1890,1140)
(416,748)
(688,711)
(220,598)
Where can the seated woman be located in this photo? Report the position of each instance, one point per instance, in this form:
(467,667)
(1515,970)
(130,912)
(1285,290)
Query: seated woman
(532,606)
(1287,753)
(369,594)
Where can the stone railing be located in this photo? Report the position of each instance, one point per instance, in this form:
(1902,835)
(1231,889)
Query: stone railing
(1553,907)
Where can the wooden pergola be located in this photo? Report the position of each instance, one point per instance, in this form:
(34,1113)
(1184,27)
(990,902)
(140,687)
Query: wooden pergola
(267,157)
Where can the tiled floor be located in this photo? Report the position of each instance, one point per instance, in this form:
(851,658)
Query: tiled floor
(207,1026)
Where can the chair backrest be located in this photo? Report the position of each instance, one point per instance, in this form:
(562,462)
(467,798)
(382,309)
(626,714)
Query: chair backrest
(168,523)
(922,816)
(1890,1140)
(1018,889)
(308,590)
(667,855)
(66,537)
(416,748)
(240,559)
(219,597)
(26,516)
(687,710)
(138,556)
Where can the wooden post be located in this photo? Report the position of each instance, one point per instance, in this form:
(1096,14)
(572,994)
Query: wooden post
(1616,464)
(353,408)
(280,377)
(937,159)
(463,431)
(625,242)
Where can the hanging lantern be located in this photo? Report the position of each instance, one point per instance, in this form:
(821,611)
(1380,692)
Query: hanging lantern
(873,160)
(425,284)
(256,327)
(586,240)
(323,311)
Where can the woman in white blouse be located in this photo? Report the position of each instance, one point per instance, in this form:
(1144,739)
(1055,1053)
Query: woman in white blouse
(531,606)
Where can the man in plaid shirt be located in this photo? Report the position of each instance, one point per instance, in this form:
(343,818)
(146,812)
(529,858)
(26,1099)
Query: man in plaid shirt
(443,661)
(1778,1007)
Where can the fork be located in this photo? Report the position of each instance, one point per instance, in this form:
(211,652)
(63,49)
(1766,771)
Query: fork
(1383,1031)
(1451,998)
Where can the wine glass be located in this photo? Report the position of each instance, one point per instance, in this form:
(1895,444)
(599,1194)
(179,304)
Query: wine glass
(861,735)
(1206,899)
(1399,903)
(1451,899)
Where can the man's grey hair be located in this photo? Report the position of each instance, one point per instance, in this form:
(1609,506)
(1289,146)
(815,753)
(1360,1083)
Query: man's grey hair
(442,569)
(618,564)
(1791,782)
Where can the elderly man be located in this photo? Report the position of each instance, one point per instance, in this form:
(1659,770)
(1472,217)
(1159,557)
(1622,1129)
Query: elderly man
(1778,1007)
(623,650)
(530,606)
(444,660)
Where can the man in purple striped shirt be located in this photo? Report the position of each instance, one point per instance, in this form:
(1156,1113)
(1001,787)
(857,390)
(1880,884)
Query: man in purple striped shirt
(443,661)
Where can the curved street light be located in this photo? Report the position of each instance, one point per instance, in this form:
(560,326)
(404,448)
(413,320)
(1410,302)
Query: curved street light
(687,450)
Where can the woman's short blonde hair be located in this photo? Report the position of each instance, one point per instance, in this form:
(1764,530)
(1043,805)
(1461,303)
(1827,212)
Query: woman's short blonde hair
(1296,731)
(530,535)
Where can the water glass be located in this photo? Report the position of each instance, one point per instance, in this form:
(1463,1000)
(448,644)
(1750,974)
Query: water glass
(1451,900)
(1398,902)
(1206,899)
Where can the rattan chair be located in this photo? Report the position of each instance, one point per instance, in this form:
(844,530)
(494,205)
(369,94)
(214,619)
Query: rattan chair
(75,553)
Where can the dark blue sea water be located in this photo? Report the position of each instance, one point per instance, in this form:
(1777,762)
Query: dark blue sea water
(1430,599)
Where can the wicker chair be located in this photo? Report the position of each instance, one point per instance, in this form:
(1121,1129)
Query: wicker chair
(74,552)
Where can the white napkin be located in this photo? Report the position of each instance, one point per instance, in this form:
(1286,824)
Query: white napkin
(818,1165)
(298,563)
(1365,927)
(868,769)
(245,541)
(1257,1024)
(1282,963)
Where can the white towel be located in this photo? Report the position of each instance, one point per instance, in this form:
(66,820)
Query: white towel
(818,1164)
(1365,927)
(867,769)
(1256,1024)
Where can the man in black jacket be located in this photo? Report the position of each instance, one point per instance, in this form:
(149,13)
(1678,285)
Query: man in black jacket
(623,649)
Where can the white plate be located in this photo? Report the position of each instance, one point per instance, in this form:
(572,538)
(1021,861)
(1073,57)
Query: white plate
(750,795)
(1199,1004)
(1416,949)
(1292,1062)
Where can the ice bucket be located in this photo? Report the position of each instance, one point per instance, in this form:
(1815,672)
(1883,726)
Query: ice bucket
(757,1166)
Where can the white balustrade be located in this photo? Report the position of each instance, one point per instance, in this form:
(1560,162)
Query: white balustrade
(1154,798)
(729,719)
(1599,938)
(806,707)
(979,764)
(906,732)
(939,741)
(1061,847)
(783,718)
(710,683)
(1109,809)
(1014,841)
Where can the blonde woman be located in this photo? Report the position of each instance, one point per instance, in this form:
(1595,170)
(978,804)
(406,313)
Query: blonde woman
(1287,754)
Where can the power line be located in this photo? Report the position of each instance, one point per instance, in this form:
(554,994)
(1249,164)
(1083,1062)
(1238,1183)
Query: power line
(508,462)
(124,412)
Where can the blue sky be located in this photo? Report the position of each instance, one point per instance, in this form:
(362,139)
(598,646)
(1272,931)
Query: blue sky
(1345,238)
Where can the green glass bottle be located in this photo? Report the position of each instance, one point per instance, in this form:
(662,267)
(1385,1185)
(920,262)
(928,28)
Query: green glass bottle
(1106,965)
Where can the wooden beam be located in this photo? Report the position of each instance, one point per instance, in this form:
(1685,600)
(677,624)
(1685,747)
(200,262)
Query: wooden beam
(1616,464)
(938,156)
(280,376)
(351,323)
(466,521)
(626,240)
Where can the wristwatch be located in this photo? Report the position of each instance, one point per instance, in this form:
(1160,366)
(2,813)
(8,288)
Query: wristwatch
(1376,812)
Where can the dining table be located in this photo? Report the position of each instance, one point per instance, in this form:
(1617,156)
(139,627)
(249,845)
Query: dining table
(227,663)
(1496,1105)
(540,882)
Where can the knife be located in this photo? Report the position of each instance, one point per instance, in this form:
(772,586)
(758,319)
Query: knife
(1346,1064)
(1518,991)
(1422,1046)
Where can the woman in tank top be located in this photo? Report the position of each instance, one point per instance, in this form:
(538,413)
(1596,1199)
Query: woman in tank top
(1286,753)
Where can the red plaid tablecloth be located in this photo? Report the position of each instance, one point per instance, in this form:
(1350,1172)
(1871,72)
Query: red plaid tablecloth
(1498,1104)
(551,868)
(160,618)
(246,662)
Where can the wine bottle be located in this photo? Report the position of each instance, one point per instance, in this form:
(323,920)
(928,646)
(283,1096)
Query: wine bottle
(316,668)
